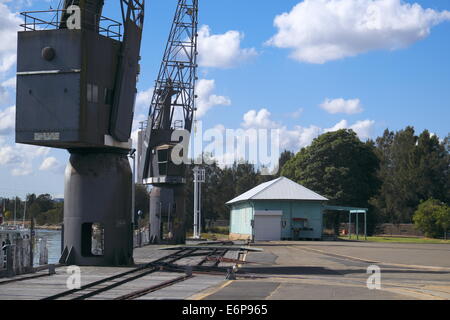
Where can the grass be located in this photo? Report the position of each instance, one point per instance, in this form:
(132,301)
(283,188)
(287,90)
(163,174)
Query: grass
(217,233)
(398,239)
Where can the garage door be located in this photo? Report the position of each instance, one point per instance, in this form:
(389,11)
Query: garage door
(267,226)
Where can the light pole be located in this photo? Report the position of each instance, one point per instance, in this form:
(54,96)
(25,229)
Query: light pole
(199,178)
(132,155)
(140,214)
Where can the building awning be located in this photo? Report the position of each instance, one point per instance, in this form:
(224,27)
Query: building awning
(349,209)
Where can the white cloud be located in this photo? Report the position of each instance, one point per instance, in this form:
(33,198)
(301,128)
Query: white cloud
(221,50)
(300,136)
(296,114)
(8,156)
(206,99)
(340,105)
(143,100)
(9,25)
(3,95)
(323,30)
(364,128)
(7,120)
(19,158)
(343,124)
(4,86)
(48,164)
(10,83)
(23,169)
(295,138)
(259,119)
(51,164)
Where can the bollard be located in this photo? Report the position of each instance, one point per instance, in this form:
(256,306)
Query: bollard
(43,252)
(9,261)
(230,274)
(51,269)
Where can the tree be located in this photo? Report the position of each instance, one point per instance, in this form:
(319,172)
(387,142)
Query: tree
(45,202)
(412,169)
(432,217)
(8,215)
(34,211)
(285,156)
(431,168)
(338,166)
(443,219)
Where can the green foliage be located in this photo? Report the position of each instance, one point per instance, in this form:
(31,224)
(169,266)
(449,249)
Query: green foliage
(413,169)
(50,217)
(43,209)
(338,166)
(219,230)
(8,215)
(432,217)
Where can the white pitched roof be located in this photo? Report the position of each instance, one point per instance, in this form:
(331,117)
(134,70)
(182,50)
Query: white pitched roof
(279,189)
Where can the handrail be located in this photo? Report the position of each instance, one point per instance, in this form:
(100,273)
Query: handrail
(34,20)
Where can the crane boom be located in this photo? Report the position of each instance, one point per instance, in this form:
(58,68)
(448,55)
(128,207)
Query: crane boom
(173,101)
(172,109)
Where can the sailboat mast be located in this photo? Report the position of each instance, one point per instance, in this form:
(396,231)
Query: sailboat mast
(24,212)
(15,200)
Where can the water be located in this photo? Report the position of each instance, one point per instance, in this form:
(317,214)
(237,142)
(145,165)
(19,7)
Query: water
(53,245)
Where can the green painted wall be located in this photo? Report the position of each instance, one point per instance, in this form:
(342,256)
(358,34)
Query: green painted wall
(240,218)
(242,214)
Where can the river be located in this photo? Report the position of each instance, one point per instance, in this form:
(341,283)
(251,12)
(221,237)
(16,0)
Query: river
(53,245)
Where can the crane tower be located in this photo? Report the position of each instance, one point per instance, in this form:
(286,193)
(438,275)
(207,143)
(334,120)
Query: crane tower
(169,123)
(76,88)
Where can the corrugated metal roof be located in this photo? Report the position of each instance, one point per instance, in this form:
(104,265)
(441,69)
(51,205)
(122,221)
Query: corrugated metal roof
(279,189)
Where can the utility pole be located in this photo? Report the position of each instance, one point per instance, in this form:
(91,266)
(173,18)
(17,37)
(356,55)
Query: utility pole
(199,178)
(133,187)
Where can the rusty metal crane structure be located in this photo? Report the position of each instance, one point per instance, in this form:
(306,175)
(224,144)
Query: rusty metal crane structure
(76,88)
(169,123)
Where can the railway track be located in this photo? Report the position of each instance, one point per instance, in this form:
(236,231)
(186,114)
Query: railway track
(185,260)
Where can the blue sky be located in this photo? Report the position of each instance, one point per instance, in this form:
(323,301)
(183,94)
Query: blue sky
(324,64)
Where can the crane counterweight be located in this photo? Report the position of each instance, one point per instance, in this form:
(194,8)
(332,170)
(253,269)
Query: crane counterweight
(76,87)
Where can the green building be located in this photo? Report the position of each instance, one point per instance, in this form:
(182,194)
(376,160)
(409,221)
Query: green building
(280,210)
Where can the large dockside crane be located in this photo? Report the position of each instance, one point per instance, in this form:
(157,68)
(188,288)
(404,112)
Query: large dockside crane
(169,124)
(76,88)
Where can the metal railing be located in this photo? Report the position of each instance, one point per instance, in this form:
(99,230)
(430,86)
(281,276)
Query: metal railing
(52,19)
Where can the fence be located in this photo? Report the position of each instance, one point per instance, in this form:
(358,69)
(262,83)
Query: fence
(15,257)
(141,237)
(398,230)
(43,252)
(15,253)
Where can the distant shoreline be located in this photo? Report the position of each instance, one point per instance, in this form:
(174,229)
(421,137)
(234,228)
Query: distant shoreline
(27,225)
(53,228)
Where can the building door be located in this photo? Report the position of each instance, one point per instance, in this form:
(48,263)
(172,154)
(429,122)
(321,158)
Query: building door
(267,225)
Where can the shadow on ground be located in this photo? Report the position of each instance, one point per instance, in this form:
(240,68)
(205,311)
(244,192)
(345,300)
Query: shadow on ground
(301,270)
